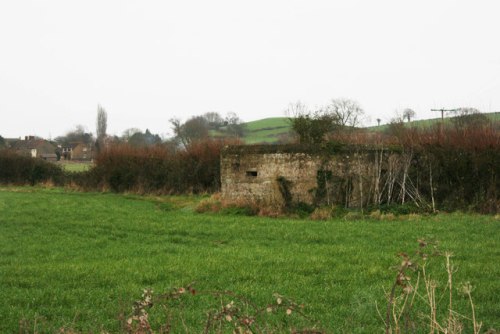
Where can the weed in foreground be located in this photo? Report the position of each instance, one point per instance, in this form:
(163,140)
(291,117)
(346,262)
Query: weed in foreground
(405,315)
(231,313)
(216,204)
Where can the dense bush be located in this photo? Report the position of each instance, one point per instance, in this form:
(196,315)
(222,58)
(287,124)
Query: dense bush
(22,170)
(436,169)
(427,169)
(159,169)
(464,164)
(453,168)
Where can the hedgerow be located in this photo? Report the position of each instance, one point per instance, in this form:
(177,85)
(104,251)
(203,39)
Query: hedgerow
(23,170)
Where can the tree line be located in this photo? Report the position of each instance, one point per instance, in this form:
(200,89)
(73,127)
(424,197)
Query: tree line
(450,165)
(196,128)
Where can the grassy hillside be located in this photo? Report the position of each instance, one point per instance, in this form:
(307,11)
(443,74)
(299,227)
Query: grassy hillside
(269,130)
(427,123)
(79,260)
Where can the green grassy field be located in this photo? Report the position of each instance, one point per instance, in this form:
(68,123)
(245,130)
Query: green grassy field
(266,130)
(80,259)
(71,166)
(428,123)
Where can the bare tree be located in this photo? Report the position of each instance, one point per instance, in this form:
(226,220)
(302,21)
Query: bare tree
(214,119)
(233,124)
(101,123)
(408,114)
(296,109)
(101,127)
(193,129)
(347,112)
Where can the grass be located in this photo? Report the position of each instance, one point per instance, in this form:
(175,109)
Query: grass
(273,122)
(428,123)
(269,130)
(80,259)
(266,130)
(71,166)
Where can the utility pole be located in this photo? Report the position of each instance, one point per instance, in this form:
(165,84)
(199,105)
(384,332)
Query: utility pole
(442,110)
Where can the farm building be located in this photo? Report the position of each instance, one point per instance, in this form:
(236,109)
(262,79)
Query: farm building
(277,175)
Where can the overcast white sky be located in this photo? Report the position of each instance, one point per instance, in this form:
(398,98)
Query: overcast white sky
(148,61)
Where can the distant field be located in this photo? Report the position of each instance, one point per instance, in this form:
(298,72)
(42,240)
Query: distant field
(72,166)
(80,259)
(266,130)
(427,123)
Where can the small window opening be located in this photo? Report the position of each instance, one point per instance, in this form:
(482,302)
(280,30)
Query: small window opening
(251,173)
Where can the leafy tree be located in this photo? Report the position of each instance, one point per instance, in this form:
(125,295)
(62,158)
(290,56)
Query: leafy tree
(140,139)
(310,127)
(129,133)
(2,142)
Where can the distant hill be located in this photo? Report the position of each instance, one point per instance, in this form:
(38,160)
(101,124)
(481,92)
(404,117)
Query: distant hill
(427,123)
(270,130)
(267,130)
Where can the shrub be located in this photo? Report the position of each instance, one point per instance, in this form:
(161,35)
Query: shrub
(321,213)
(388,216)
(209,205)
(234,207)
(353,215)
(399,209)
(22,170)
(159,169)
(376,215)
